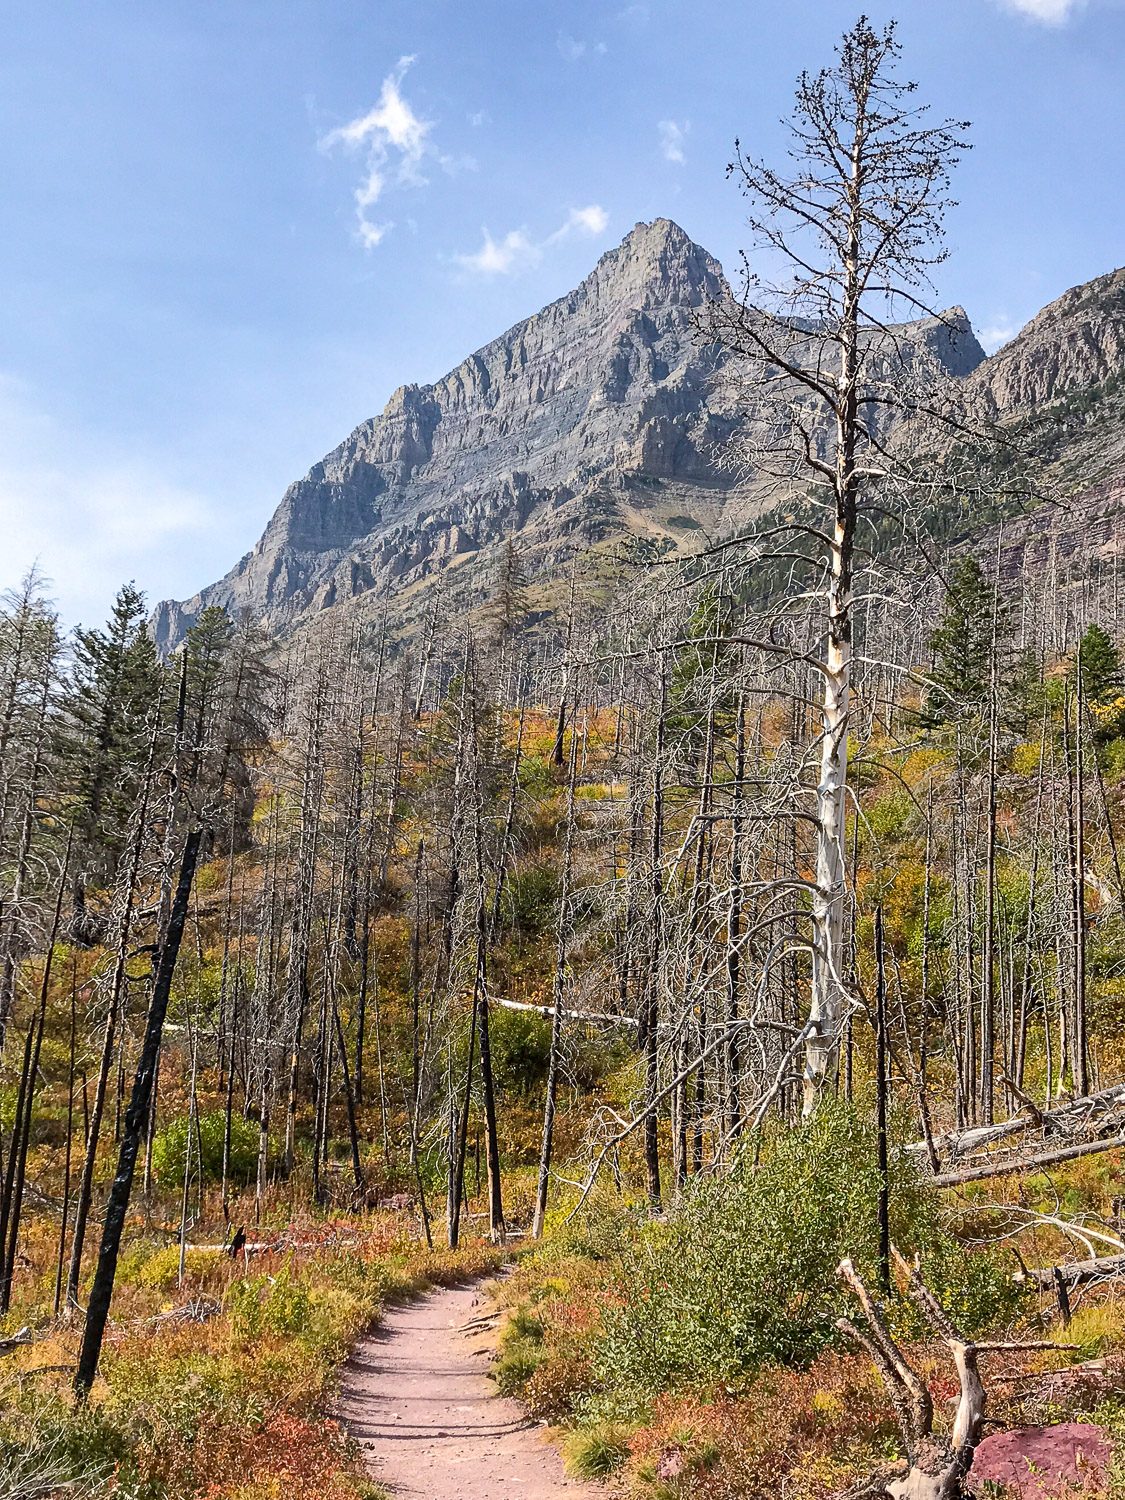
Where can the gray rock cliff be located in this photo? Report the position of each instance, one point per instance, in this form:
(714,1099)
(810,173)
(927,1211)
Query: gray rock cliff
(602,417)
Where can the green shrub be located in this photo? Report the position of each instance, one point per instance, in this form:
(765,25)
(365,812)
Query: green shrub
(530,897)
(170,1148)
(263,1304)
(596,1452)
(743,1274)
(524,1324)
(891,816)
(521,1048)
(518,1362)
(975,1287)
(535,775)
(161,1271)
(48,1447)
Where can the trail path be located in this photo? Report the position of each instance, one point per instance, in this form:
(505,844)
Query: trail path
(416,1397)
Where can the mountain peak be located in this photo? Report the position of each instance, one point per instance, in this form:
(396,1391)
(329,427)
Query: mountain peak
(657,263)
(659,234)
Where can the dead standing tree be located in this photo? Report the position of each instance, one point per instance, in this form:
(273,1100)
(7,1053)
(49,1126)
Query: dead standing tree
(857,227)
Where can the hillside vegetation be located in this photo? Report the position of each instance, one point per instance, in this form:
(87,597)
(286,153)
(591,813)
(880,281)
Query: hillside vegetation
(741,949)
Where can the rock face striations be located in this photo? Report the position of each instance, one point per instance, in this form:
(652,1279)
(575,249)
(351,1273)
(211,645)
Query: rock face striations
(601,418)
(550,431)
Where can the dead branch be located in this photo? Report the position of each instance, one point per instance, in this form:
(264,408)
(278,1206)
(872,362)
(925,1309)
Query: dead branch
(936,1463)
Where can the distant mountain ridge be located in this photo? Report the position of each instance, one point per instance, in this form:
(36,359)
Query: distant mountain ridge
(601,417)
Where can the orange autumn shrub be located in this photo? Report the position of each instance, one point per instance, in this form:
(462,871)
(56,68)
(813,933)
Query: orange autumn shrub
(792,1435)
(290,1458)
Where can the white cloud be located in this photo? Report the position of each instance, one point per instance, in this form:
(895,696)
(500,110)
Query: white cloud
(997,333)
(672,136)
(502,257)
(573,48)
(91,519)
(590,220)
(1049,12)
(371,234)
(396,142)
(516,251)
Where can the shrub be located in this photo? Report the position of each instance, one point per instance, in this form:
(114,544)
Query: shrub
(975,1287)
(530,896)
(595,1452)
(556,1384)
(161,1272)
(170,1148)
(744,1273)
(535,775)
(521,1048)
(892,815)
(517,1364)
(268,1304)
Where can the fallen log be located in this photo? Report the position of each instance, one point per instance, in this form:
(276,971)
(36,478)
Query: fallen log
(984,1170)
(568,1015)
(1073,1273)
(1064,1118)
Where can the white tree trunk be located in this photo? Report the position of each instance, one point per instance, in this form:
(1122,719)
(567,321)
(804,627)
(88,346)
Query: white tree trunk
(825,1010)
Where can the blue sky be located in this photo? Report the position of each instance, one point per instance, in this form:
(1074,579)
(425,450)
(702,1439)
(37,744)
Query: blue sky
(233,227)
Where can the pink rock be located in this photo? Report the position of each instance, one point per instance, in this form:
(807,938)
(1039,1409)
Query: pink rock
(1037,1463)
(671,1464)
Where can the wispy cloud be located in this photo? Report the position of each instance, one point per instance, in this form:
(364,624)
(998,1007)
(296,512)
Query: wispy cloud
(573,48)
(395,141)
(999,332)
(590,220)
(672,136)
(1048,12)
(501,257)
(516,250)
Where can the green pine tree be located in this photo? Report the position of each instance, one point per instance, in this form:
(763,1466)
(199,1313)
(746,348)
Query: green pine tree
(1100,660)
(1098,667)
(961,647)
(107,712)
(507,610)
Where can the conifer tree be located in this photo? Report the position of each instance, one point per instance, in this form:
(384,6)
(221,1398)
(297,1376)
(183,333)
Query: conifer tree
(1097,671)
(508,608)
(1101,664)
(114,682)
(962,644)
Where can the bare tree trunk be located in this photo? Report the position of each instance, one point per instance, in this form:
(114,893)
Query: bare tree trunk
(562,929)
(117,1206)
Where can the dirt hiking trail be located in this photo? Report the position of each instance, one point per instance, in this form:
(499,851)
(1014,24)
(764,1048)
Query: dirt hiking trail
(416,1397)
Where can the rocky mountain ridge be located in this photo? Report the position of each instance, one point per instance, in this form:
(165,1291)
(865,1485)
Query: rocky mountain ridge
(601,418)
